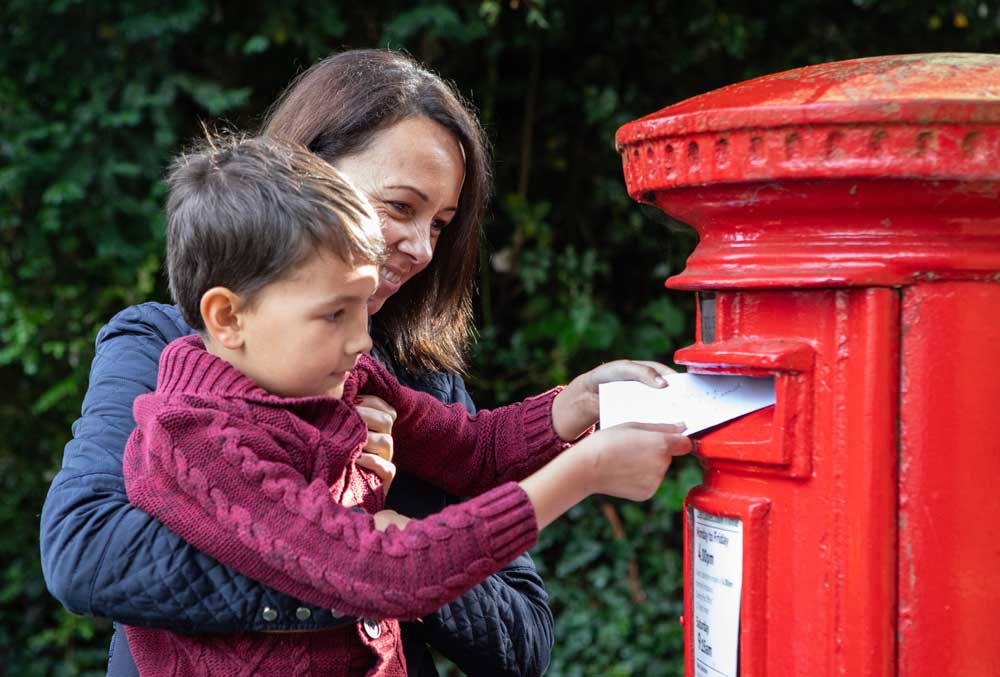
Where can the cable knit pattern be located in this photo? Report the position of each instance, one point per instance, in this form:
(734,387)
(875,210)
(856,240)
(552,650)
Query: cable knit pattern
(248,477)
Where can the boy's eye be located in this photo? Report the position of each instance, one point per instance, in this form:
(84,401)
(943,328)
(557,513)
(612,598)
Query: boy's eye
(335,315)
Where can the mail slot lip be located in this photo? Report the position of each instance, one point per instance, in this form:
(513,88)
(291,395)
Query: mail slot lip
(762,356)
(782,447)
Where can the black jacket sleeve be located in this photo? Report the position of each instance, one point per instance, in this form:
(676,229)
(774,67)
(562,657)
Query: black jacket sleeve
(502,627)
(101,555)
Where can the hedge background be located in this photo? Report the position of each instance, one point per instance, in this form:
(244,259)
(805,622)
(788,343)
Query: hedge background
(96,96)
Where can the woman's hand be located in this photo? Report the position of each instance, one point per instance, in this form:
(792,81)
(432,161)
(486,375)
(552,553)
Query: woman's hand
(577,407)
(377,456)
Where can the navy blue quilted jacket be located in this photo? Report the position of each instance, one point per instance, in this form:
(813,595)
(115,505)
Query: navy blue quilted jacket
(102,556)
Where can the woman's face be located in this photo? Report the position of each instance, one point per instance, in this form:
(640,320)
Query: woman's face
(412,172)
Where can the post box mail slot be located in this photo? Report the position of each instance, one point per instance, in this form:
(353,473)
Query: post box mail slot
(776,439)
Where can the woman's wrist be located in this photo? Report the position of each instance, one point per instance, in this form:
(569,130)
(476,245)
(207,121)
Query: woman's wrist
(575,409)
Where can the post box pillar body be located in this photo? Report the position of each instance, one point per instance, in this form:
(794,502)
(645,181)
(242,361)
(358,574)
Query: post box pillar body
(849,248)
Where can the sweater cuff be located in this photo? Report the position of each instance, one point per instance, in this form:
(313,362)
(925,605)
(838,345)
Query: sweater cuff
(539,433)
(508,519)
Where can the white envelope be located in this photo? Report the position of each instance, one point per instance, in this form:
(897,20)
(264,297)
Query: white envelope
(698,400)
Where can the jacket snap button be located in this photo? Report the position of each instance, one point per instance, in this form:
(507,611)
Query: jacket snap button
(372,628)
(336,614)
(269,614)
(303,614)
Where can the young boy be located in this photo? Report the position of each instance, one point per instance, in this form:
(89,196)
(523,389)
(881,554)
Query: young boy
(248,448)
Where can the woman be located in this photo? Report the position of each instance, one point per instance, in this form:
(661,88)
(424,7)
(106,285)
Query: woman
(410,143)
(406,140)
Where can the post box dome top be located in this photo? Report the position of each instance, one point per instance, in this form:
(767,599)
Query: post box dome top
(931,116)
(959,87)
(877,171)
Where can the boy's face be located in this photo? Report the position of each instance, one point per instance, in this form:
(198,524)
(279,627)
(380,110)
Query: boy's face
(307,331)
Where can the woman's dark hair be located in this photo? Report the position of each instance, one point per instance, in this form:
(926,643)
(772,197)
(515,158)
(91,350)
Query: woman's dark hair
(335,108)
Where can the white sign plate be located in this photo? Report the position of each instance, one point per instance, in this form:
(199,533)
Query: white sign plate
(717,580)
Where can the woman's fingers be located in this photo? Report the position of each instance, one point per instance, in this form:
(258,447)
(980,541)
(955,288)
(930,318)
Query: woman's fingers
(379,417)
(376,413)
(651,373)
(385,470)
(379,444)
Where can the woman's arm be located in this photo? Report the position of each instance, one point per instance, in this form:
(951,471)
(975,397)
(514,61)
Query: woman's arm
(501,627)
(101,555)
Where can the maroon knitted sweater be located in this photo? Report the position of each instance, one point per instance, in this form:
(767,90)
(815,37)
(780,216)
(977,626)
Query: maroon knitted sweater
(248,477)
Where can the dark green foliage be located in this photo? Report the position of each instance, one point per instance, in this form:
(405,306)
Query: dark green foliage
(95,97)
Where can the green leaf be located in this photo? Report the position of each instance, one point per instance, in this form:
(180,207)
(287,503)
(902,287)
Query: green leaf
(256,44)
(210,95)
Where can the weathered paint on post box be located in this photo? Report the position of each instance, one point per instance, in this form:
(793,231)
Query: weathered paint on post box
(849,246)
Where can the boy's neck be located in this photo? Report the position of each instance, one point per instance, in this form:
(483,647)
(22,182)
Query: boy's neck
(232,357)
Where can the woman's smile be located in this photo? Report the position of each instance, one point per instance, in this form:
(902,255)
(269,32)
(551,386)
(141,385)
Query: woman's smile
(392,276)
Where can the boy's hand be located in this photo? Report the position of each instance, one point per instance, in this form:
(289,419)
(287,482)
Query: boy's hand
(577,407)
(385,518)
(630,460)
(379,417)
(627,460)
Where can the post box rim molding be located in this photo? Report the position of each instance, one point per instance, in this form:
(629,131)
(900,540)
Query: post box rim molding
(908,145)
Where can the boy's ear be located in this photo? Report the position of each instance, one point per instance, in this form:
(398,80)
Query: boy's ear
(220,311)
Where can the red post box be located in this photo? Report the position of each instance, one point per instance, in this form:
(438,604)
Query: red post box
(849,248)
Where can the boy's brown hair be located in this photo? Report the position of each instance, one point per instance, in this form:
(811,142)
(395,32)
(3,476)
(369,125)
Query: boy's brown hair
(243,212)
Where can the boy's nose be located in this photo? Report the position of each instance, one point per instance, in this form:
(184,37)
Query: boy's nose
(361,343)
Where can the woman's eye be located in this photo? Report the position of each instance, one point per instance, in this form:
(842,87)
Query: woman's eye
(400,207)
(438,225)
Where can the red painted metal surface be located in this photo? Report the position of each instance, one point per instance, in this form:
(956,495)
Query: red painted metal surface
(949,513)
(849,225)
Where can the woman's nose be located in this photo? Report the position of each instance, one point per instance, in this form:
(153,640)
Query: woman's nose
(417,245)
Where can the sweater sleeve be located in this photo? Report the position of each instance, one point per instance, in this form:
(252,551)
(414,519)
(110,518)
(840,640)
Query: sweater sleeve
(210,480)
(465,454)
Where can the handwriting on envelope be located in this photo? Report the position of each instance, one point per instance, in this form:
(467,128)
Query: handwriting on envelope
(698,400)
